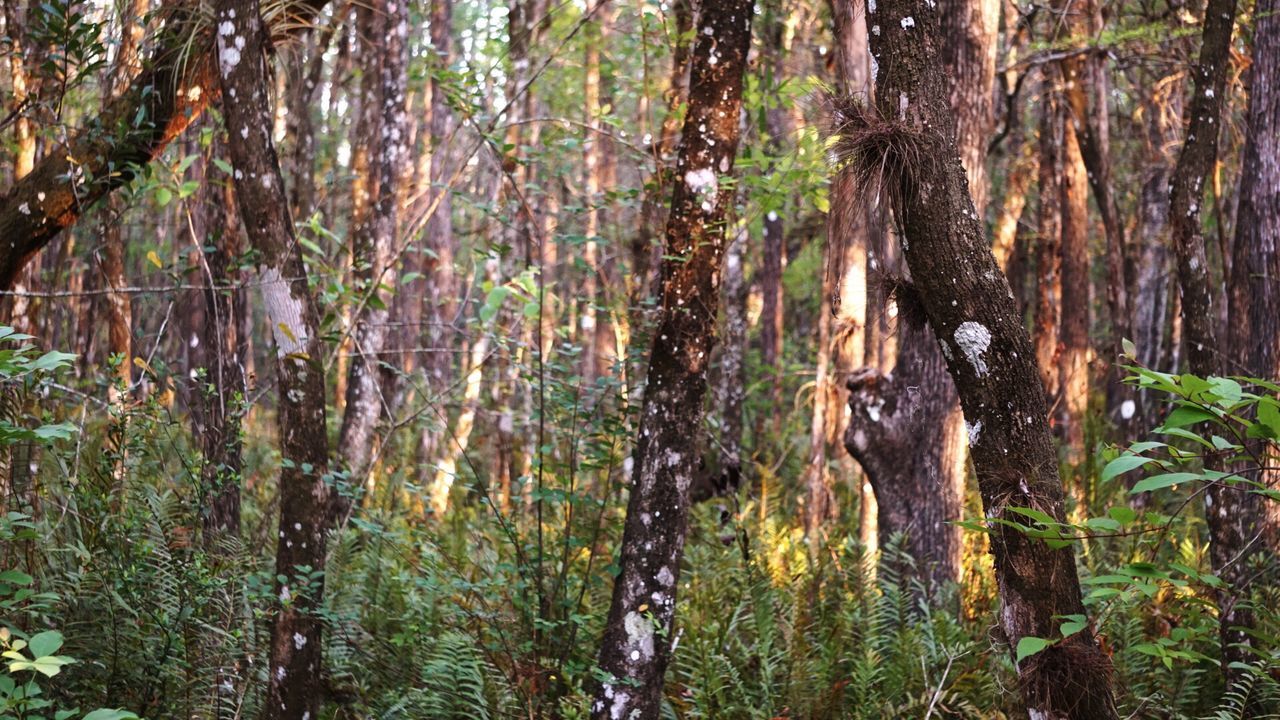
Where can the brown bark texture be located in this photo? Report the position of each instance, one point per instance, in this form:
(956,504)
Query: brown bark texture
(906,428)
(636,646)
(376,240)
(1249,524)
(970,307)
(1231,516)
(294,670)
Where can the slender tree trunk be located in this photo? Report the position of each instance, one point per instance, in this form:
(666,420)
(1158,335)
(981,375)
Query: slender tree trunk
(733,375)
(592,293)
(970,307)
(1024,167)
(1070,23)
(377,240)
(969,30)
(1231,515)
(302,127)
(24,90)
(1090,115)
(1253,339)
(439,302)
(223,392)
(1048,253)
(637,639)
(778,128)
(294,671)
(645,245)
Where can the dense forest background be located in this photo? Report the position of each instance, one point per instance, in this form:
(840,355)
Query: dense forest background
(634,359)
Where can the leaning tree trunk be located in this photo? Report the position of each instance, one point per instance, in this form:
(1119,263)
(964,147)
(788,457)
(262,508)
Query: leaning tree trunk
(970,307)
(1254,299)
(1231,515)
(172,89)
(294,672)
(637,638)
(906,429)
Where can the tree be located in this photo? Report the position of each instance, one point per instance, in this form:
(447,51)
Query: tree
(133,128)
(293,689)
(1233,517)
(1253,339)
(636,645)
(375,239)
(969,306)
(905,428)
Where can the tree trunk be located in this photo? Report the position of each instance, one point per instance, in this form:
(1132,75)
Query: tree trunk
(1230,515)
(376,241)
(1048,252)
(439,302)
(294,672)
(970,307)
(645,247)
(777,128)
(223,392)
(637,639)
(1254,331)
(915,409)
(733,370)
(158,105)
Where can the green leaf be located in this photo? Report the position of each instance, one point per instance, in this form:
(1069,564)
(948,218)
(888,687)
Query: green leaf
(1122,514)
(1269,416)
(1122,465)
(1186,415)
(45,643)
(163,196)
(52,360)
(1029,646)
(1227,389)
(1073,625)
(16,577)
(1037,515)
(109,714)
(1156,482)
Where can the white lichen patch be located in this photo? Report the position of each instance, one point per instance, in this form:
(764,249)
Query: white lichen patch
(975,431)
(285,313)
(228,59)
(702,181)
(973,339)
(1127,409)
(639,635)
(665,578)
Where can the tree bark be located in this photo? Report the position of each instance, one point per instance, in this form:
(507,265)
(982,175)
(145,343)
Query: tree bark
(439,301)
(777,129)
(906,428)
(1254,330)
(294,672)
(969,305)
(375,242)
(157,106)
(1230,515)
(645,246)
(636,646)
(223,392)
